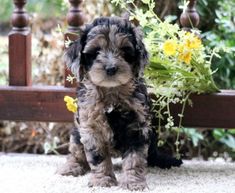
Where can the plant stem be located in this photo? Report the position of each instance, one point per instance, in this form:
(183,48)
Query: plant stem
(180,125)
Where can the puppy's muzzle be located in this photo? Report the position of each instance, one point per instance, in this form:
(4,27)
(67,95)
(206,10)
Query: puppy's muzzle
(111,70)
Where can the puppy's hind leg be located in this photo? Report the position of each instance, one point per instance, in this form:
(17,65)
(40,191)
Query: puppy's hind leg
(76,163)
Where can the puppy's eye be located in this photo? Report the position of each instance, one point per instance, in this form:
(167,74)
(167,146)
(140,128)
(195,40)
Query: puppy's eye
(92,54)
(128,54)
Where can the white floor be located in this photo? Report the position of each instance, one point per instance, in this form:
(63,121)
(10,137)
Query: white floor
(36,174)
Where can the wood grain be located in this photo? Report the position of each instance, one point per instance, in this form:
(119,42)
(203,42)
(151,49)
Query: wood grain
(209,110)
(46,104)
(35,103)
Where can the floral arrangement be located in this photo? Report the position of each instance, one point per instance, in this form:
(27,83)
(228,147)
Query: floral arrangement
(179,64)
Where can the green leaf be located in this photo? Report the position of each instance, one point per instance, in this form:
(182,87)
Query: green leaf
(231,131)
(145,1)
(196,138)
(194,135)
(228,140)
(218,133)
(47,147)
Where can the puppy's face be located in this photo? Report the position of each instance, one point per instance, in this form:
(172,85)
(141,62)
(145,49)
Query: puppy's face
(110,52)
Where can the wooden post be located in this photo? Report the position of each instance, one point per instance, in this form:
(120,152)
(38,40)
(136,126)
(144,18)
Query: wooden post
(75,20)
(20,47)
(190,18)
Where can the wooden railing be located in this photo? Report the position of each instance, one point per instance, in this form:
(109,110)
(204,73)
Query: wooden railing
(21,101)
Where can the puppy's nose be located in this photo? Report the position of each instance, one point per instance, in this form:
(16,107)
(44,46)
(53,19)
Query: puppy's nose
(111,70)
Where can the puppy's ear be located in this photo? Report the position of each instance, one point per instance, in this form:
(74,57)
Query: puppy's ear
(142,52)
(72,59)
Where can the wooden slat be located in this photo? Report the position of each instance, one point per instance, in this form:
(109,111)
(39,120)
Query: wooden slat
(46,104)
(20,47)
(209,110)
(190,18)
(20,59)
(35,103)
(75,20)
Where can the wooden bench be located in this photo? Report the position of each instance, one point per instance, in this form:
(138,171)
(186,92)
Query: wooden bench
(21,101)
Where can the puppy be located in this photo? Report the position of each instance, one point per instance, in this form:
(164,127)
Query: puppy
(113,106)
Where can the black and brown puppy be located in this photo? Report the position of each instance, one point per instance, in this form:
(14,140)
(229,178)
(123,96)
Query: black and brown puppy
(114,107)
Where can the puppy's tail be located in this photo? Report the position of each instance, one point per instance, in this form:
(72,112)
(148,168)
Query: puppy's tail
(155,158)
(161,160)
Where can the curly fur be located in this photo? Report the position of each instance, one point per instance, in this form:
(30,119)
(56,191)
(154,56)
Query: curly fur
(114,107)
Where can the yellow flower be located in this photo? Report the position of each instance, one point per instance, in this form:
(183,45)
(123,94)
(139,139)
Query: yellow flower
(71,107)
(170,47)
(195,43)
(68,99)
(71,104)
(192,41)
(180,48)
(185,54)
(186,57)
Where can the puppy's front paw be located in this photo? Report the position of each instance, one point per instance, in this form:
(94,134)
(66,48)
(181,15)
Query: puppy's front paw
(74,169)
(134,186)
(105,181)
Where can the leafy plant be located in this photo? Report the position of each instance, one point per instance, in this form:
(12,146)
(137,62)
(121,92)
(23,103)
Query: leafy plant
(51,146)
(223,35)
(225,136)
(6,10)
(193,135)
(45,8)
